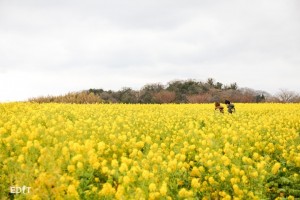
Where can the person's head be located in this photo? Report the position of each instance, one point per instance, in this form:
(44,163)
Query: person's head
(217,104)
(227,102)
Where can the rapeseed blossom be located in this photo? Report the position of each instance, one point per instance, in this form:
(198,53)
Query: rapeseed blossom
(118,151)
(275,168)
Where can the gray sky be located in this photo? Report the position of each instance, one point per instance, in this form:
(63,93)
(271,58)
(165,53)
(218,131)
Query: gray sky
(54,47)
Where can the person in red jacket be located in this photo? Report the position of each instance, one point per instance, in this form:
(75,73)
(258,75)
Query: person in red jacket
(219,107)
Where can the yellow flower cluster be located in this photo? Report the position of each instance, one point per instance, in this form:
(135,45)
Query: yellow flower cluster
(117,151)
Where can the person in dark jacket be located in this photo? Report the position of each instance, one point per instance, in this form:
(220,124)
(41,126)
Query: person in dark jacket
(230,107)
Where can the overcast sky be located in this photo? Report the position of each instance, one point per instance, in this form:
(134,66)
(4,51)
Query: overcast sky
(54,47)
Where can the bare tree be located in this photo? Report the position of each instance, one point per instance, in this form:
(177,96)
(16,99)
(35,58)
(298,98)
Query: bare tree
(165,96)
(286,96)
(199,98)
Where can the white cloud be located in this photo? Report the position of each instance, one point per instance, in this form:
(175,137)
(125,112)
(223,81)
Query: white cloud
(53,47)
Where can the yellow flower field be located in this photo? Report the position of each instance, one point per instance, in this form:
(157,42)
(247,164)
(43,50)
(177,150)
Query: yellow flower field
(172,151)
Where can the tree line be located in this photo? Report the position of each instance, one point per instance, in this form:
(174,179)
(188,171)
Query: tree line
(177,91)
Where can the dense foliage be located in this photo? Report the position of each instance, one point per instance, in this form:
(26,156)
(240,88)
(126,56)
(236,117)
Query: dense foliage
(180,91)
